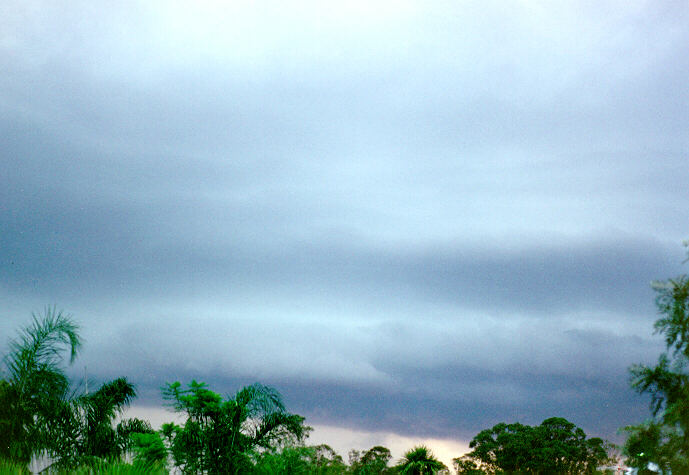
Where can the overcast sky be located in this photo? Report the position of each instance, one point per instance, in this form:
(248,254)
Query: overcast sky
(422,218)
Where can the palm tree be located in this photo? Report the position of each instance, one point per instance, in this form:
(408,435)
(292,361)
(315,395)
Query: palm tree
(419,461)
(86,431)
(39,415)
(100,410)
(36,385)
(220,435)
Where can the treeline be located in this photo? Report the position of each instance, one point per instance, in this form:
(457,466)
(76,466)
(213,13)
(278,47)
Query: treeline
(42,416)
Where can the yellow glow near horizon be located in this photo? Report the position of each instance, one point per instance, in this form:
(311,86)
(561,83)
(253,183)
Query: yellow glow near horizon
(342,440)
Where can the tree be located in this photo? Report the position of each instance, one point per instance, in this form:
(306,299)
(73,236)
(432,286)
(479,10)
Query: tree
(220,435)
(98,411)
(466,466)
(373,462)
(557,446)
(564,448)
(503,447)
(39,415)
(652,443)
(299,459)
(36,386)
(290,460)
(87,430)
(325,461)
(664,439)
(419,461)
(148,449)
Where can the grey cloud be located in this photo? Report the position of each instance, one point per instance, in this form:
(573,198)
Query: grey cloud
(415,378)
(57,243)
(476,400)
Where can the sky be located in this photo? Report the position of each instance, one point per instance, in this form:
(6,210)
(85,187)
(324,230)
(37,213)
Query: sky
(413,219)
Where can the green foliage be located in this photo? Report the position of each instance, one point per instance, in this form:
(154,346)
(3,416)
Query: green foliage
(419,461)
(325,461)
(296,460)
(657,443)
(86,431)
(98,411)
(36,387)
(11,425)
(148,449)
(299,459)
(556,446)
(466,466)
(38,413)
(8,467)
(373,462)
(219,436)
(664,440)
(116,467)
(127,435)
(673,303)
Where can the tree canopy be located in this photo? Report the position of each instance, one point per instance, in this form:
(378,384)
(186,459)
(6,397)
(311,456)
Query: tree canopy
(372,462)
(557,446)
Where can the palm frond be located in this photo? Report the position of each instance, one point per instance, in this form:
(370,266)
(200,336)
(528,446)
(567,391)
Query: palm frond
(41,345)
